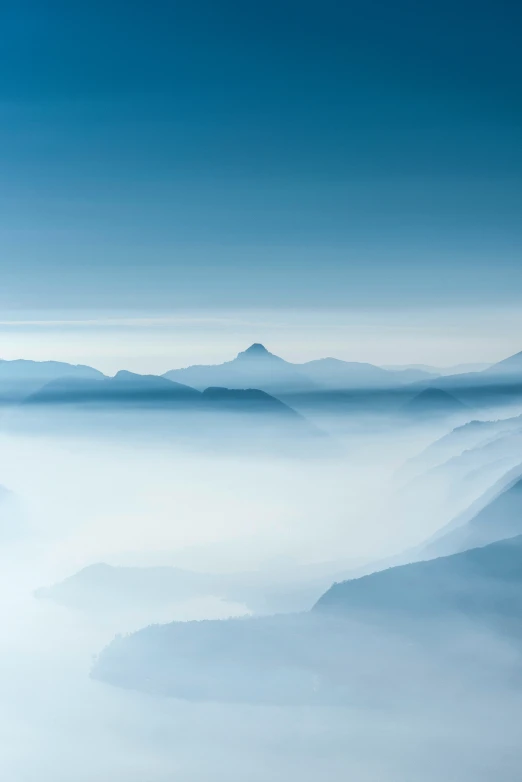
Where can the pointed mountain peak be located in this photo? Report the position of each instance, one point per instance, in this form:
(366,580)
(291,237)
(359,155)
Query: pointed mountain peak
(256,348)
(256,351)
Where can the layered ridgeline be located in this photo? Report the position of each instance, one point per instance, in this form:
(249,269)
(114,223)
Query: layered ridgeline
(129,388)
(20,378)
(381,635)
(131,405)
(257,367)
(495,516)
(498,384)
(457,469)
(473,435)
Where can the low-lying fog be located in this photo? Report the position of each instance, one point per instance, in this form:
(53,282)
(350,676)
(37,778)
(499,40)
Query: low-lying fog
(147,501)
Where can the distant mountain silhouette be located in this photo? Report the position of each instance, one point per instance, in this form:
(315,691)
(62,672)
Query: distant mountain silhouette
(102,586)
(332,373)
(128,387)
(20,377)
(471,435)
(508,366)
(425,370)
(498,384)
(252,368)
(123,387)
(257,351)
(257,367)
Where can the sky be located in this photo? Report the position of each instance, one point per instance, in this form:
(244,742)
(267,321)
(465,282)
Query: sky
(355,164)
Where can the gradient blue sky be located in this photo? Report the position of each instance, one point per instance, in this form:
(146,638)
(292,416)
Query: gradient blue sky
(161,158)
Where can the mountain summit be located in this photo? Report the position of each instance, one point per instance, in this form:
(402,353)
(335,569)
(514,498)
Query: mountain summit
(256,367)
(256,351)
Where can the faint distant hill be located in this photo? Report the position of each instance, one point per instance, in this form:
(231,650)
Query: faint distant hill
(471,435)
(332,373)
(378,636)
(474,468)
(257,367)
(104,589)
(452,486)
(497,384)
(505,371)
(20,377)
(425,370)
(434,401)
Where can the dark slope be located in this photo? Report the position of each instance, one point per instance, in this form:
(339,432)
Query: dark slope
(434,401)
(482,582)
(248,400)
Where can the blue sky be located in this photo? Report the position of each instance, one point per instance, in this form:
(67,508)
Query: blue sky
(160,157)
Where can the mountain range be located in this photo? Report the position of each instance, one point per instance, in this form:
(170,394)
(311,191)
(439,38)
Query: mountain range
(257,368)
(128,388)
(21,377)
